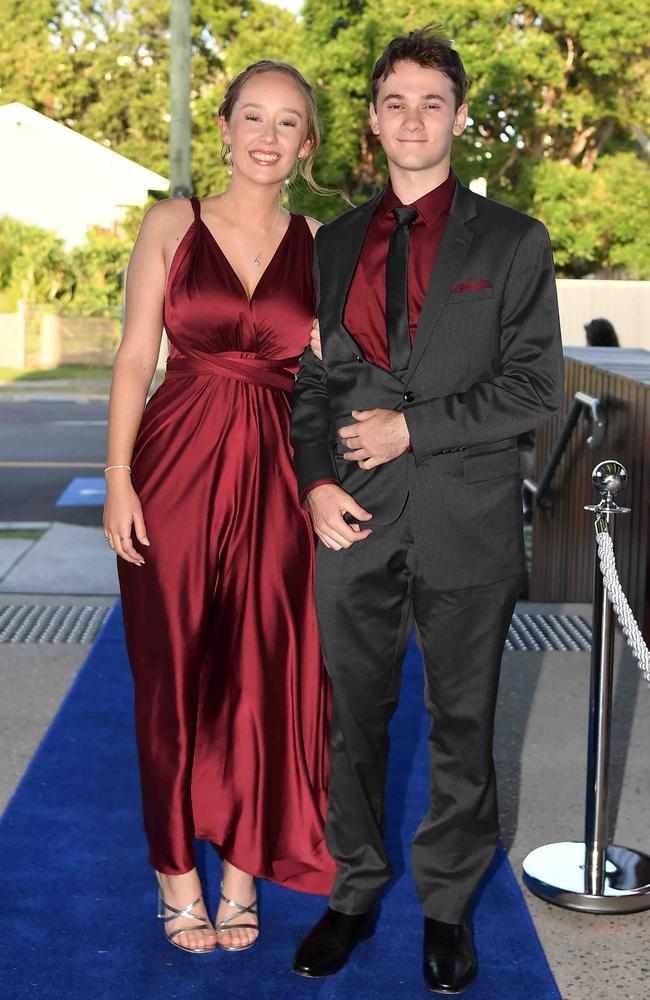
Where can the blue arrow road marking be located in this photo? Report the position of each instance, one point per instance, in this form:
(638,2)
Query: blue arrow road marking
(83,493)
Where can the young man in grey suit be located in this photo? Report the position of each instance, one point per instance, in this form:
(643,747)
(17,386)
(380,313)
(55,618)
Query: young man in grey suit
(440,343)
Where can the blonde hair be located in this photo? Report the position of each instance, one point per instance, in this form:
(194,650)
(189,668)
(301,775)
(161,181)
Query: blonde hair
(304,166)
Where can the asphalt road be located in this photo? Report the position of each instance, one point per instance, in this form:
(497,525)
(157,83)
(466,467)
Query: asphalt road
(44,445)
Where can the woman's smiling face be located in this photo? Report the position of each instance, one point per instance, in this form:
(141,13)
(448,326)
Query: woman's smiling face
(267,130)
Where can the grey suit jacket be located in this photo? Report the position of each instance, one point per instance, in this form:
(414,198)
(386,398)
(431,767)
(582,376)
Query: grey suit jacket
(486,366)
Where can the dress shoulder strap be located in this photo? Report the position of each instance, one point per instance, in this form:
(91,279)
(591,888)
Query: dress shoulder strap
(196,206)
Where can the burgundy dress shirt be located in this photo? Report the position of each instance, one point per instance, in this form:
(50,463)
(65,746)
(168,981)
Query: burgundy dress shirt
(364,316)
(365,308)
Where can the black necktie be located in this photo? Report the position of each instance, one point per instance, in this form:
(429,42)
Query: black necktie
(397,309)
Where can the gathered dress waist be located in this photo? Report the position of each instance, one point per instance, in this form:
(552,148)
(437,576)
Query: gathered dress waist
(248,367)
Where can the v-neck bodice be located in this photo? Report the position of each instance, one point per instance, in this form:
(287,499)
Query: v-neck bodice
(207,310)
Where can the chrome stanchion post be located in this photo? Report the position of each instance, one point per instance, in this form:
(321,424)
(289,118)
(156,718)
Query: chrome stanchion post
(608,480)
(594,876)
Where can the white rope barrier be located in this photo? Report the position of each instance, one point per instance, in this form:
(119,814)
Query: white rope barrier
(619,602)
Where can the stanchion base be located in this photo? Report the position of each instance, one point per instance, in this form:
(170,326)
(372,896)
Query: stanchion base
(556,872)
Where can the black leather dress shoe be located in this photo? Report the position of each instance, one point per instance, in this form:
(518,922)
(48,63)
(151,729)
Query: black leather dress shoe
(449,956)
(328,946)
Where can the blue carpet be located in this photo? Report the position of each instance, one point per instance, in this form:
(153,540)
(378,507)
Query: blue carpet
(77,896)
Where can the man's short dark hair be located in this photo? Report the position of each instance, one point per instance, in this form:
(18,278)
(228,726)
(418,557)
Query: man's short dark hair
(429,47)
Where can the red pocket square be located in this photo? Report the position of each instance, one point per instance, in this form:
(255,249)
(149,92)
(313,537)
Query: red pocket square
(471,286)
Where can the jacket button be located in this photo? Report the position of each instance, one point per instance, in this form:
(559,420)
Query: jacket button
(409,396)
(359,358)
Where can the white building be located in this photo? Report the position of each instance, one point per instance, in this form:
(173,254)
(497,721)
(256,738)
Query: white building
(55,178)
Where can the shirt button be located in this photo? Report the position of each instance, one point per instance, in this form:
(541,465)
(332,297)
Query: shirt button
(409,396)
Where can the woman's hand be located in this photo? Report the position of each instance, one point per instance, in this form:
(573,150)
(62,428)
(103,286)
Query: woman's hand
(314,343)
(122,512)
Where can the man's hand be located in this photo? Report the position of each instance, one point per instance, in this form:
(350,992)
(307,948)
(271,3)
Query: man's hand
(327,504)
(378,436)
(314,343)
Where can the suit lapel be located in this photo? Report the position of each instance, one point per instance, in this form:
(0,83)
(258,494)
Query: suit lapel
(349,254)
(453,248)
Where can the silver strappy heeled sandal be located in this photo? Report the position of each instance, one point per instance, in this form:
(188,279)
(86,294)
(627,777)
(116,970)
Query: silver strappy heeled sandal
(203,923)
(222,926)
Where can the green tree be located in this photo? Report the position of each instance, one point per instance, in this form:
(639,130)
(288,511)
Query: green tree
(33,265)
(559,102)
(102,68)
(565,197)
(624,180)
(98,267)
(557,89)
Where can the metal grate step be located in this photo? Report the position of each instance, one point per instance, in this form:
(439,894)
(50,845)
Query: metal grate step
(539,632)
(81,623)
(51,623)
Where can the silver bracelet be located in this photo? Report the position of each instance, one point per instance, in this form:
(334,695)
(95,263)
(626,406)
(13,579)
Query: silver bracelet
(109,467)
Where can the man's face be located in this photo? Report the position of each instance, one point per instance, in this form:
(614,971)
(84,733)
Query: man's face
(415,116)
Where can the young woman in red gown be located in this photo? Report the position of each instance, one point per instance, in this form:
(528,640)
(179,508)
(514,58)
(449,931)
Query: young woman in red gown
(215,552)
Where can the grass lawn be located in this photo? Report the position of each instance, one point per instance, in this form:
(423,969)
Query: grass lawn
(32,534)
(77,372)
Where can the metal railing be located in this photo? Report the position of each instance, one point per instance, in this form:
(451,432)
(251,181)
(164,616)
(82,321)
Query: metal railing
(537,495)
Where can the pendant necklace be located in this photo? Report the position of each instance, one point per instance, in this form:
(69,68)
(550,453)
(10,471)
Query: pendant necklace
(257,259)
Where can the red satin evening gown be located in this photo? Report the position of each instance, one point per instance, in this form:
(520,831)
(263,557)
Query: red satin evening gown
(232,702)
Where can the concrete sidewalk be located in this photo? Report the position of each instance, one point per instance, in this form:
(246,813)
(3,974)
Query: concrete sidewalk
(67,565)
(540,753)
(34,680)
(35,385)
(72,390)
(67,559)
